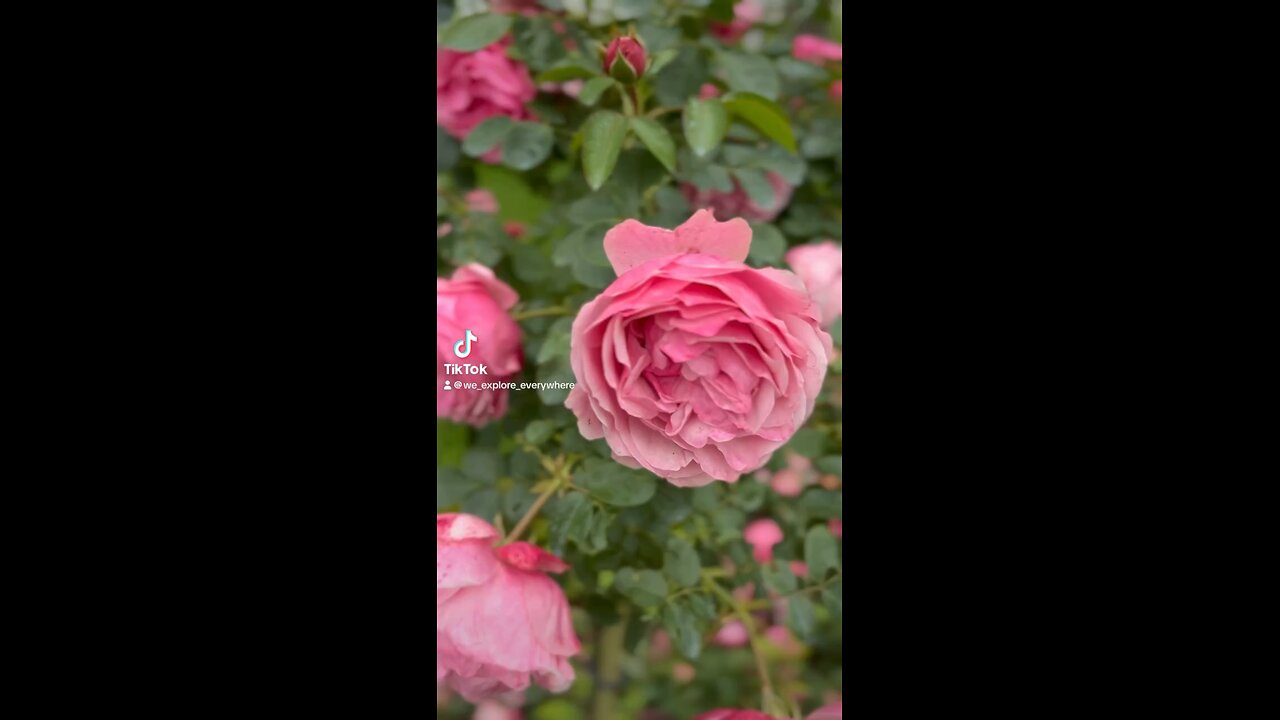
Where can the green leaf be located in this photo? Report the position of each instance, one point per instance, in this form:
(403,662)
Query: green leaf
(819,503)
(615,484)
(483,504)
(594,88)
(602,137)
(833,598)
(556,372)
(657,139)
(807,443)
(526,145)
(441,206)
(645,588)
(721,10)
(728,523)
(833,464)
(778,577)
(681,563)
(571,514)
(570,70)
(800,616)
(538,431)
(482,464)
(798,70)
(681,78)
(451,443)
(517,201)
(679,622)
(705,123)
(632,9)
(474,32)
(764,115)
(661,60)
(557,709)
(756,183)
(750,73)
(767,244)
(486,135)
(446,150)
(820,552)
(837,331)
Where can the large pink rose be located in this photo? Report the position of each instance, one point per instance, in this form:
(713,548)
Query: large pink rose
(814,49)
(738,203)
(691,364)
(821,267)
(500,621)
(830,712)
(476,300)
(473,87)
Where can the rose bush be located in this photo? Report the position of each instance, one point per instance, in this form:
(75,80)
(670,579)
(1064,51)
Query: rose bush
(639,224)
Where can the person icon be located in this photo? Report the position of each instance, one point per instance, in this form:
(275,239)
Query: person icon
(446,385)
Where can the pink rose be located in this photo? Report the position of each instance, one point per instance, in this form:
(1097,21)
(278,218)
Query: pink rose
(731,634)
(745,14)
(830,712)
(799,569)
(624,51)
(473,87)
(788,483)
(836,527)
(732,714)
(482,201)
(708,91)
(691,364)
(821,267)
(762,535)
(500,621)
(477,301)
(814,49)
(837,91)
(738,203)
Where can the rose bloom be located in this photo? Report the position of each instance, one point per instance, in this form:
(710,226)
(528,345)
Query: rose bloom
(708,91)
(814,49)
(630,50)
(745,14)
(821,267)
(830,712)
(762,535)
(737,203)
(473,87)
(475,299)
(732,714)
(500,621)
(788,483)
(481,201)
(732,634)
(691,364)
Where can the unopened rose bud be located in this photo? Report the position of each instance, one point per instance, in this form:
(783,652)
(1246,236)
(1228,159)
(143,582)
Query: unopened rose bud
(624,59)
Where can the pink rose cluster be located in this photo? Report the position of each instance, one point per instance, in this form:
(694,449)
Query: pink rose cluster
(501,623)
(691,364)
(475,300)
(737,203)
(473,87)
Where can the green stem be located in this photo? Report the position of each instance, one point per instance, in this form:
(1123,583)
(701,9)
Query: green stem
(540,312)
(608,671)
(766,686)
(532,511)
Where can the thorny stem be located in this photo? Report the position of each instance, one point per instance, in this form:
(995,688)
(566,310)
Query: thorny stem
(762,669)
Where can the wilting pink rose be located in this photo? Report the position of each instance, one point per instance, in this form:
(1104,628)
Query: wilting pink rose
(482,201)
(821,267)
(732,714)
(493,710)
(708,91)
(814,49)
(500,621)
(473,87)
(691,364)
(837,91)
(745,14)
(475,299)
(737,203)
(762,535)
(788,483)
(830,712)
(731,634)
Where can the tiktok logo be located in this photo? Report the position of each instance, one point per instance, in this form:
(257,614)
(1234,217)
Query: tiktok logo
(457,347)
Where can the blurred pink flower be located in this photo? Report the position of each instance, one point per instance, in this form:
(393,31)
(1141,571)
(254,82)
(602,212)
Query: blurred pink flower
(787,483)
(493,710)
(482,201)
(731,634)
(444,230)
(514,229)
(737,203)
(473,87)
(799,569)
(745,14)
(821,267)
(829,712)
(500,621)
(475,300)
(683,672)
(708,91)
(837,91)
(762,535)
(524,7)
(836,527)
(782,638)
(812,48)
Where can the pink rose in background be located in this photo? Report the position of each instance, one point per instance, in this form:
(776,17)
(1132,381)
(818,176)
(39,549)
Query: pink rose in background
(473,87)
(836,527)
(738,203)
(493,710)
(787,483)
(444,230)
(814,49)
(524,7)
(837,91)
(745,14)
(708,91)
(475,299)
(830,712)
(731,634)
(500,621)
(799,569)
(732,714)
(482,200)
(762,535)
(821,268)
(691,364)
(683,672)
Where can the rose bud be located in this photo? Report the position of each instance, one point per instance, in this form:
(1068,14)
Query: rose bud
(624,59)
